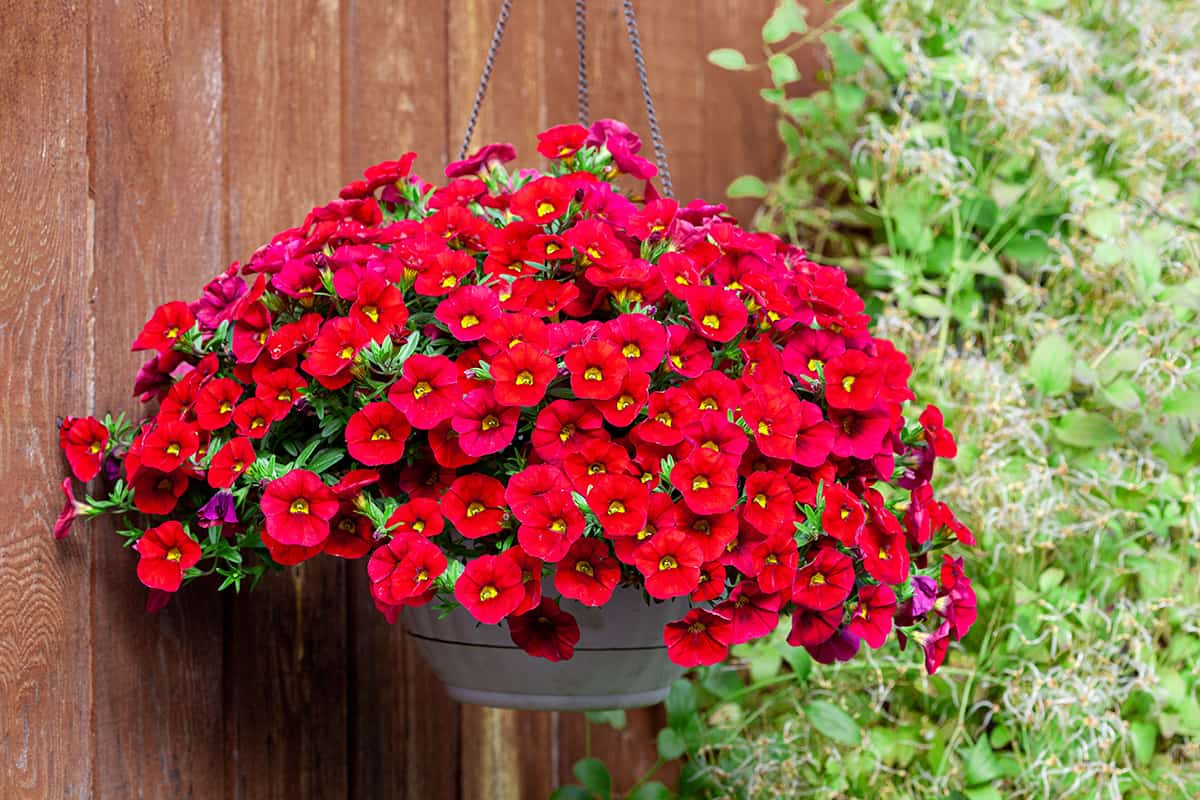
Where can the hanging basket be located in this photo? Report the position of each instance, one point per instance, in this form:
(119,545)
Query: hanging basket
(620,660)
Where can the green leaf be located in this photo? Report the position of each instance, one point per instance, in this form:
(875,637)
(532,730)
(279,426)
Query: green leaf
(1102,222)
(727,58)
(671,744)
(889,53)
(1143,736)
(848,99)
(614,718)
(747,186)
(833,722)
(846,60)
(1122,393)
(1049,579)
(1080,428)
(980,763)
(650,791)
(783,69)
(592,773)
(681,703)
(929,306)
(790,136)
(788,18)
(1049,367)
(1183,404)
(571,792)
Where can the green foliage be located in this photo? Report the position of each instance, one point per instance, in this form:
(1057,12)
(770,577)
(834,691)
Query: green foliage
(1015,187)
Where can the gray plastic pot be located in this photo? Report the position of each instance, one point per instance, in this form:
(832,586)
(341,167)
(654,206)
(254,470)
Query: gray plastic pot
(620,660)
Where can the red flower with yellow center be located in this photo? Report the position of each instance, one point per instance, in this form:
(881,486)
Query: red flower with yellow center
(490,588)
(376,434)
(252,418)
(166,551)
(843,516)
(707,481)
(545,632)
(230,463)
(482,424)
(426,391)
(550,524)
(165,328)
(467,312)
(597,370)
(641,340)
(542,200)
(620,503)
(474,505)
(298,508)
(564,427)
(852,381)
(699,639)
(84,441)
(718,313)
(334,351)
(169,444)
(522,374)
(279,390)
(215,403)
(825,582)
(670,562)
(752,612)
(588,573)
(871,617)
(778,556)
(421,515)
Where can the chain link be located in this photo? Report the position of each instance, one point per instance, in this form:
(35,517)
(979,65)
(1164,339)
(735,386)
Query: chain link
(581,41)
(489,62)
(639,60)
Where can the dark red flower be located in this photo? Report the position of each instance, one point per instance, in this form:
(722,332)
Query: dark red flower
(752,612)
(376,434)
(71,509)
(298,507)
(168,323)
(447,452)
(483,425)
(84,441)
(699,639)
(588,573)
(522,374)
(230,463)
(474,505)
(490,588)
(545,632)
(858,434)
(707,481)
(885,555)
(351,535)
(620,503)
(166,551)
(467,312)
(811,627)
(426,391)
(871,616)
(157,492)
(825,582)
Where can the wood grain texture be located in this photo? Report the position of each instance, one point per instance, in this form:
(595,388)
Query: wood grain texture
(45,337)
(156,166)
(285,643)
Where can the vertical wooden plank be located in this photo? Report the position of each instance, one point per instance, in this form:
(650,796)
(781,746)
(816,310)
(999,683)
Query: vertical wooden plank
(156,176)
(45,340)
(286,642)
(403,728)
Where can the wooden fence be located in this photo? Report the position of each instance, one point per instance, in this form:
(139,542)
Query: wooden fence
(143,146)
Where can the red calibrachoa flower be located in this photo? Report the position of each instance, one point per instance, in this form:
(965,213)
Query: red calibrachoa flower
(670,562)
(468,380)
(522,375)
(490,588)
(230,463)
(426,391)
(588,573)
(84,440)
(166,553)
(169,323)
(298,508)
(483,425)
(474,505)
(699,639)
(376,434)
(546,632)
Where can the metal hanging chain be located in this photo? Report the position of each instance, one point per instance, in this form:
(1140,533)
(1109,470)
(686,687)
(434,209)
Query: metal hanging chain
(489,62)
(660,148)
(581,41)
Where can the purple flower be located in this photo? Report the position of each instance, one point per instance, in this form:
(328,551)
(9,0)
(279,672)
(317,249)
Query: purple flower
(842,646)
(219,510)
(623,144)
